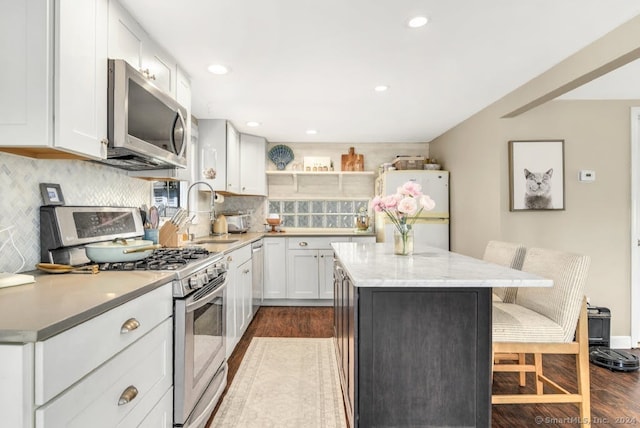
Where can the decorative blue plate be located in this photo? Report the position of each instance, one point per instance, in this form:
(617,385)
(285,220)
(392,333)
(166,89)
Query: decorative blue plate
(281,155)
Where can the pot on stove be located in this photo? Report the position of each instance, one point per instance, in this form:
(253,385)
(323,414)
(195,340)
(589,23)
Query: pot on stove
(119,250)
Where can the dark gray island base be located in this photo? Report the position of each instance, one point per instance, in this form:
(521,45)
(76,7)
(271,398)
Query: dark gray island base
(413,336)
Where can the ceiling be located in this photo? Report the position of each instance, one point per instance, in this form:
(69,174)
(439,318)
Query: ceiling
(313,64)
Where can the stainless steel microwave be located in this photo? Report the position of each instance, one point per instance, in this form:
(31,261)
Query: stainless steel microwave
(146,126)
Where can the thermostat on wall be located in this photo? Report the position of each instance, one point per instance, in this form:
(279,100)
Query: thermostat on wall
(587,175)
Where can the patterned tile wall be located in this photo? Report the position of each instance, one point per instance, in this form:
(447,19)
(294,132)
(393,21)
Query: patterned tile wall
(82,183)
(330,214)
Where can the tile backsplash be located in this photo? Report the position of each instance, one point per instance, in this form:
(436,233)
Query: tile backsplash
(331,214)
(82,183)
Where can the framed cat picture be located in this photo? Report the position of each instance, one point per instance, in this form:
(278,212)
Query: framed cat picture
(536,175)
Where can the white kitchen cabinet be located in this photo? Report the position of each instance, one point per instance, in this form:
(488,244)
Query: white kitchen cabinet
(253,177)
(238,296)
(158,66)
(233,160)
(310,267)
(183,89)
(77,378)
(325,274)
(212,150)
(239,159)
(54,67)
(243,309)
(125,35)
(129,41)
(302,274)
(122,391)
(275,272)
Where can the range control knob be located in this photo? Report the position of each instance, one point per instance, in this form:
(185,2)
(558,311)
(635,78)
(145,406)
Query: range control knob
(194,283)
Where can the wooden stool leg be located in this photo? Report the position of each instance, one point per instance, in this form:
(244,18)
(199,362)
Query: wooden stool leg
(582,366)
(537,361)
(523,375)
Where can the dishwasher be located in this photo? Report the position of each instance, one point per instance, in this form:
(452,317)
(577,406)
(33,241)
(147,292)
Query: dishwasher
(257,266)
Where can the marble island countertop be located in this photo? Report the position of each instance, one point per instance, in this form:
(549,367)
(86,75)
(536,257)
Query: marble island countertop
(375,265)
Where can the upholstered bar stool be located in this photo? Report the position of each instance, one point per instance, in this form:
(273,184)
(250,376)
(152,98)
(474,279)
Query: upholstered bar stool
(506,254)
(545,321)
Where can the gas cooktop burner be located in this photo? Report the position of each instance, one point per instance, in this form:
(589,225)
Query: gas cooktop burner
(162,259)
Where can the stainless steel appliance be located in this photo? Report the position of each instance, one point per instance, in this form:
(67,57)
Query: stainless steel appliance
(237,222)
(199,282)
(257,281)
(146,127)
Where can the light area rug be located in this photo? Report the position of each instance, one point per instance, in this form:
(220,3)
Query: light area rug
(284,382)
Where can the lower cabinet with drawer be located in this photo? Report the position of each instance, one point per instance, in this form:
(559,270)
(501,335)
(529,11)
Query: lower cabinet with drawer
(115,369)
(298,270)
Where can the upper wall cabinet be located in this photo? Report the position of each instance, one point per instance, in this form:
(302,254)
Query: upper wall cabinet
(253,177)
(129,41)
(239,159)
(55,65)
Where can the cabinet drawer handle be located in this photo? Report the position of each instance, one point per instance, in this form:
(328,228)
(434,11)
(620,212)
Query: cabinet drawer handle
(129,325)
(128,395)
(245,271)
(229,259)
(303,244)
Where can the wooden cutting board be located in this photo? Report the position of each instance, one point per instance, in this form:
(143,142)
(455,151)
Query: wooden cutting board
(349,160)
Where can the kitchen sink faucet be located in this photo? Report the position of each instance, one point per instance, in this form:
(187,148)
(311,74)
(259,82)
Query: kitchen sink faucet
(213,197)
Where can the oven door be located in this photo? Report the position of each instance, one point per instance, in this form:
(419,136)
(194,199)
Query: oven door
(199,344)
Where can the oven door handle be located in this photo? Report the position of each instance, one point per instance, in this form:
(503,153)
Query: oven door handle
(207,298)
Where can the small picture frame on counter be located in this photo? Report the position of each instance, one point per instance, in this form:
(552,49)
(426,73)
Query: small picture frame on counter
(51,194)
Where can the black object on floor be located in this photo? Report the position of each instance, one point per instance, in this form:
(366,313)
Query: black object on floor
(599,326)
(613,359)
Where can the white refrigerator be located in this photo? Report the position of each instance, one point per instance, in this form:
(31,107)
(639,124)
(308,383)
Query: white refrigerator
(431,229)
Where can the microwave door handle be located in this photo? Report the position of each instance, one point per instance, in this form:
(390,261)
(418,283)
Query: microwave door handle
(173,133)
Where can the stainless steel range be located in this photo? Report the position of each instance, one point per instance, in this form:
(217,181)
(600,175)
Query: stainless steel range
(199,282)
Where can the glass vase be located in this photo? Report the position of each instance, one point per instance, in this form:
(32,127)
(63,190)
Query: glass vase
(403,241)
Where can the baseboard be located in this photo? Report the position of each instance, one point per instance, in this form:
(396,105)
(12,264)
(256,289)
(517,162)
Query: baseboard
(297,302)
(621,342)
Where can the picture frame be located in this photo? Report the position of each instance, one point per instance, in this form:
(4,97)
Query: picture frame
(51,194)
(536,175)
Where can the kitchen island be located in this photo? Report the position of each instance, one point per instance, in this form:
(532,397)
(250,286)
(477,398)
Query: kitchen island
(413,334)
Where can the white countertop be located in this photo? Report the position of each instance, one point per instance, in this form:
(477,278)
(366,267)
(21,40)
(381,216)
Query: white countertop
(375,265)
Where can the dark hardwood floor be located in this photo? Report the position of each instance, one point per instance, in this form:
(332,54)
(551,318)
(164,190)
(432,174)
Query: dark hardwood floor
(615,396)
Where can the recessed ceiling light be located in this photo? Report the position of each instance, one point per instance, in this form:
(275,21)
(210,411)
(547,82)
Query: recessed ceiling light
(218,69)
(311,131)
(381,88)
(252,124)
(418,21)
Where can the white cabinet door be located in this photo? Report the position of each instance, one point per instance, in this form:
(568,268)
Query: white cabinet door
(125,36)
(233,160)
(238,295)
(275,272)
(212,151)
(16,387)
(243,298)
(159,67)
(54,63)
(253,176)
(325,272)
(230,301)
(302,274)
(183,89)
(81,77)
(26,49)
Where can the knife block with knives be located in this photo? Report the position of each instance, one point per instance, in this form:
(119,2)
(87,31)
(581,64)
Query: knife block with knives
(170,234)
